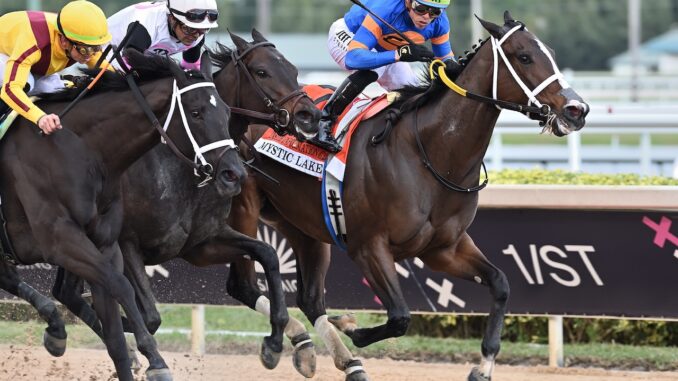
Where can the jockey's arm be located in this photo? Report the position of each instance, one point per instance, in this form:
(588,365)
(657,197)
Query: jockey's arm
(441,47)
(15,77)
(360,55)
(191,57)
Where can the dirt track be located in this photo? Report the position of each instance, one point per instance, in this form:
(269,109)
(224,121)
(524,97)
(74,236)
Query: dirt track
(34,364)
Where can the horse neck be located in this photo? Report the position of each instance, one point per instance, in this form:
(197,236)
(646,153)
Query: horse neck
(124,136)
(224,81)
(457,136)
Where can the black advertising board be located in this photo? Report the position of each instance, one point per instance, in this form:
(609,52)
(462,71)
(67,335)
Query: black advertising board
(558,262)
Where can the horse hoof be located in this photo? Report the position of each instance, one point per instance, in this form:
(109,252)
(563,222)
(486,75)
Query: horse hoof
(477,375)
(304,361)
(357,376)
(269,357)
(55,346)
(162,374)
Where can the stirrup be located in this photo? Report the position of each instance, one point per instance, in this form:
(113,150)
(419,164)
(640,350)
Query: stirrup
(328,145)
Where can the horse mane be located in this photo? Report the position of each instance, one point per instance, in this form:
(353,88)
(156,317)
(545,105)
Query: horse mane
(146,68)
(221,56)
(412,97)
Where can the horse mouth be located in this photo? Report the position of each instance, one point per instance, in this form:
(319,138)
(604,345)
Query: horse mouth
(572,118)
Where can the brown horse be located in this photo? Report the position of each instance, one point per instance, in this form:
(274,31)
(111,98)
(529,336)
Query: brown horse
(397,207)
(191,223)
(61,193)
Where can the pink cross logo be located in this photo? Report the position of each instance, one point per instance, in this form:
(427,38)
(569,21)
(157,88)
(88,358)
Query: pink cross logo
(663,232)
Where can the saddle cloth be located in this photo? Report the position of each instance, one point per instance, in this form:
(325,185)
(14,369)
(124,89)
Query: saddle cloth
(317,162)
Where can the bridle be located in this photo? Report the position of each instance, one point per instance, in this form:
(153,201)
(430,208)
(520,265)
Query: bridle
(280,116)
(542,110)
(201,168)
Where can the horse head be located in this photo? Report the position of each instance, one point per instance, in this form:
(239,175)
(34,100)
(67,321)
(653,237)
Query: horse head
(529,74)
(198,124)
(269,85)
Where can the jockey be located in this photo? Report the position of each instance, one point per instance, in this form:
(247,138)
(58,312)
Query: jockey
(34,46)
(167,27)
(360,43)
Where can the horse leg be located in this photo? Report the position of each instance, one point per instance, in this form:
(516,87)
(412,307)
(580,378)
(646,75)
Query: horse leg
(242,284)
(313,260)
(103,268)
(54,338)
(378,266)
(466,261)
(68,289)
(232,244)
(135,272)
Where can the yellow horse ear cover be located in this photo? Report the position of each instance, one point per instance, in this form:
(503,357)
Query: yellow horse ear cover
(84,22)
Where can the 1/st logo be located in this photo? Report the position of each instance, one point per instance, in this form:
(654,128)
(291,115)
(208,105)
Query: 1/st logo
(542,259)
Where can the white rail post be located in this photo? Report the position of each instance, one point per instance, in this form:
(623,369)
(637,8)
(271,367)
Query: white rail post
(497,154)
(574,144)
(556,353)
(198,330)
(645,154)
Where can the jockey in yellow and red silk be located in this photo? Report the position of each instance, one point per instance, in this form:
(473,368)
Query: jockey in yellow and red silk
(361,43)
(34,46)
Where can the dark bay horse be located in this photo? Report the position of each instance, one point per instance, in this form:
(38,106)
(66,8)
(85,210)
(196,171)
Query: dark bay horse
(399,201)
(61,193)
(191,223)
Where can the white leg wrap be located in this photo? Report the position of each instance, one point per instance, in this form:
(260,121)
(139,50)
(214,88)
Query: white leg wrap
(330,337)
(353,369)
(263,306)
(487,366)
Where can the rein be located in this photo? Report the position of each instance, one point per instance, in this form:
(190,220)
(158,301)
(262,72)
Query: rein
(280,117)
(543,110)
(204,170)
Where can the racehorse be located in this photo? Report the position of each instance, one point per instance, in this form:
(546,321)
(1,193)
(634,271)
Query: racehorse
(61,193)
(191,223)
(415,193)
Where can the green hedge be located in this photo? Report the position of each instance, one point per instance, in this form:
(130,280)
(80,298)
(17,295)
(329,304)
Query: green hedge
(541,176)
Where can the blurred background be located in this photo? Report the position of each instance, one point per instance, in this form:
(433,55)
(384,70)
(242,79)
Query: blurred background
(620,55)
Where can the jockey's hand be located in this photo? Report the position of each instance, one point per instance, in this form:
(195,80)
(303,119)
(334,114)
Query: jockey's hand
(49,123)
(415,53)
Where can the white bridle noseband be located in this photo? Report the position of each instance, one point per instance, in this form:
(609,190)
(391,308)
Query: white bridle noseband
(531,95)
(199,151)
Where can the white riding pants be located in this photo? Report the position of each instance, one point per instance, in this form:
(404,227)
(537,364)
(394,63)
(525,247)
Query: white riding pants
(391,77)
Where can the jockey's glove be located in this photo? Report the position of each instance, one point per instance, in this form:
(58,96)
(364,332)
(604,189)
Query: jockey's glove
(415,53)
(453,68)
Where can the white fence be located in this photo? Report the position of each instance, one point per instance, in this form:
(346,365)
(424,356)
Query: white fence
(650,124)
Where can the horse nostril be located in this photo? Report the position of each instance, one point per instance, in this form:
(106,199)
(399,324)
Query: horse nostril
(574,112)
(229,175)
(303,117)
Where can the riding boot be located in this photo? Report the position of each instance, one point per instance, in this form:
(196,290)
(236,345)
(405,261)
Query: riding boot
(342,97)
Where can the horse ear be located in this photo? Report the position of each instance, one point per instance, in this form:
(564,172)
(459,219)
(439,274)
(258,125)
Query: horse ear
(240,43)
(258,37)
(495,30)
(508,19)
(206,65)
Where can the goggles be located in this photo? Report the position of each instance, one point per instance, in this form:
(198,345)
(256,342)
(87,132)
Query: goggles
(198,15)
(422,9)
(191,31)
(86,50)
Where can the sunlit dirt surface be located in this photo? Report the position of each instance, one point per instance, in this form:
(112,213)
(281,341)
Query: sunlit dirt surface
(22,363)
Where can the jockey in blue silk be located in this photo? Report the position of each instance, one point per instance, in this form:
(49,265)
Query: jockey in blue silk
(372,51)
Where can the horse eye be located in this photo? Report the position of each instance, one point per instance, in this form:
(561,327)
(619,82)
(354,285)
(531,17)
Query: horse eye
(524,59)
(261,73)
(195,114)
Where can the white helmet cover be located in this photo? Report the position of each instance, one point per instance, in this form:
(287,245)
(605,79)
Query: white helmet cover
(179,8)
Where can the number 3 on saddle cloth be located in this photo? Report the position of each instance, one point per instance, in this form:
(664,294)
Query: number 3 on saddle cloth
(319,163)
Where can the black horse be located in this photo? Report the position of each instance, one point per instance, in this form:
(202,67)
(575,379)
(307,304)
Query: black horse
(191,223)
(61,193)
(415,193)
